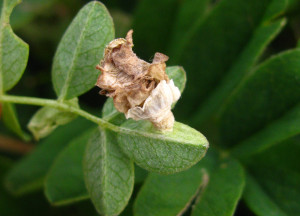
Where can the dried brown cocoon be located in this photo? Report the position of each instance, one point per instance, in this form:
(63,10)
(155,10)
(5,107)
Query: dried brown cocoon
(140,90)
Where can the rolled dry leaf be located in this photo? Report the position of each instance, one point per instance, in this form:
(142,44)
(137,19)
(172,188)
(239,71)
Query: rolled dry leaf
(140,90)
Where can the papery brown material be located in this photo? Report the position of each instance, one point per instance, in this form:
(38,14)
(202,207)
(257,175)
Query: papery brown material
(128,79)
(158,67)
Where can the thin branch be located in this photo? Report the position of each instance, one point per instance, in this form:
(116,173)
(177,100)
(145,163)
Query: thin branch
(14,146)
(57,105)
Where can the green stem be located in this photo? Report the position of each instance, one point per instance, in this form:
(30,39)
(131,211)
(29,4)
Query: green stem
(58,105)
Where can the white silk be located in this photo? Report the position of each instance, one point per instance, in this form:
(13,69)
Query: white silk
(157,107)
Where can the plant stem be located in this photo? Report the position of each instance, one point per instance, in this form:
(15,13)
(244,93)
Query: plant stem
(57,105)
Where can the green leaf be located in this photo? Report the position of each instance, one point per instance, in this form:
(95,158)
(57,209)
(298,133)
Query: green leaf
(223,191)
(64,182)
(109,110)
(189,16)
(162,152)
(109,113)
(11,121)
(29,173)
(65,185)
(215,46)
(178,75)
(280,130)
(139,175)
(8,205)
(29,9)
(109,174)
(47,119)
(80,50)
(122,21)
(13,59)
(277,8)
(21,206)
(13,51)
(273,182)
(215,181)
(263,35)
(169,195)
(152,33)
(270,91)
(260,202)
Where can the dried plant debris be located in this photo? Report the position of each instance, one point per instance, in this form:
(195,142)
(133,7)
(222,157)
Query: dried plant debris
(141,90)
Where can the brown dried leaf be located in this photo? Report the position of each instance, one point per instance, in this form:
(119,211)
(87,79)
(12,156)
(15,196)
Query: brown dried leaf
(130,81)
